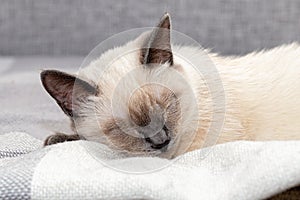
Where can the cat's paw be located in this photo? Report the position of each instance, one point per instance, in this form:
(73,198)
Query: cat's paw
(60,138)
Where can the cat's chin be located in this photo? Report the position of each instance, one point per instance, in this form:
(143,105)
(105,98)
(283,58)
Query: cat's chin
(168,154)
(157,153)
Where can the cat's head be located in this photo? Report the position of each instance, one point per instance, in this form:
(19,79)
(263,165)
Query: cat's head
(141,104)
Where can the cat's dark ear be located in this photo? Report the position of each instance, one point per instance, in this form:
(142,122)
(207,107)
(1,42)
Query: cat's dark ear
(67,90)
(157,49)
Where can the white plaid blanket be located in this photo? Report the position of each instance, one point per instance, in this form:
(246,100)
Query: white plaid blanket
(86,170)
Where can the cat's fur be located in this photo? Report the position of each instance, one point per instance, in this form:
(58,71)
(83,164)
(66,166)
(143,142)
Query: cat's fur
(262,96)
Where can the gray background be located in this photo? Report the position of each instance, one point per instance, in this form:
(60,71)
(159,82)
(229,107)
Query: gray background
(74,27)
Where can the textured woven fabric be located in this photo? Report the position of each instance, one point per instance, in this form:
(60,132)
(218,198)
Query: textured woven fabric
(87,170)
(9,147)
(69,27)
(16,170)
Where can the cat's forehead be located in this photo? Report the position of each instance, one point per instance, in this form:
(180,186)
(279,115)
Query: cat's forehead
(150,101)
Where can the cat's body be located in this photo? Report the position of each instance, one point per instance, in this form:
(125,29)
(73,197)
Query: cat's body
(262,96)
(263,91)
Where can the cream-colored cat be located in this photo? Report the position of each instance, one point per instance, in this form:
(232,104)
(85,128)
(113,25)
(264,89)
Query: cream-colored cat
(144,101)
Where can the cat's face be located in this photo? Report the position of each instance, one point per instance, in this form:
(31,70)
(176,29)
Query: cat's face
(143,111)
(150,125)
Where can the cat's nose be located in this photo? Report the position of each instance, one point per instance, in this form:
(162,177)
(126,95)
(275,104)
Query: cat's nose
(159,141)
(160,146)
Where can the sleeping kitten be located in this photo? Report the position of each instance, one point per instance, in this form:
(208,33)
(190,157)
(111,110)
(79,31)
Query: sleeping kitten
(262,91)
